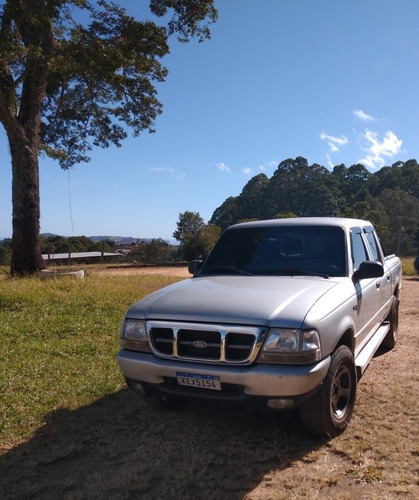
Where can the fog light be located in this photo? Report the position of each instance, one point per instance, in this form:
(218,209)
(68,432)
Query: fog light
(281,404)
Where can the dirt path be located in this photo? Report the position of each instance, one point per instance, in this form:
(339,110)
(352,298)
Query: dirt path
(181,271)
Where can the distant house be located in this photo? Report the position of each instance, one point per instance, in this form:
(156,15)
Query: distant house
(81,257)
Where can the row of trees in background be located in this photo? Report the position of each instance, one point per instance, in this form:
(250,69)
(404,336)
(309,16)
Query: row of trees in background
(195,237)
(155,251)
(60,244)
(54,244)
(389,198)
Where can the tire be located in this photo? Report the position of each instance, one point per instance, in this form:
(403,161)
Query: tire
(390,339)
(328,412)
(159,402)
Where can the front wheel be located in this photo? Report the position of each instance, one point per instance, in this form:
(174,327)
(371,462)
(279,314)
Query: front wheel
(329,411)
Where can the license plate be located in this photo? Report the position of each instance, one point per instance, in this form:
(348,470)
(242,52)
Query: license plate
(199,380)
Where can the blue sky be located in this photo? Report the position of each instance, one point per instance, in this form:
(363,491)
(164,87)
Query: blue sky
(333,81)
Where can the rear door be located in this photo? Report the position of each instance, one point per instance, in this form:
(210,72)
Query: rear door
(368,293)
(383,283)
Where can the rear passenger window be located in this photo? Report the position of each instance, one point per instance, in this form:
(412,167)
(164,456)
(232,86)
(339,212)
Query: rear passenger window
(373,246)
(359,252)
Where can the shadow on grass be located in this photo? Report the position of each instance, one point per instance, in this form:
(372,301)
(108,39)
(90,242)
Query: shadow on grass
(117,447)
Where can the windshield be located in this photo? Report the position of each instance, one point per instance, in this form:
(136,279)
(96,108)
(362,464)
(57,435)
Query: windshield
(279,250)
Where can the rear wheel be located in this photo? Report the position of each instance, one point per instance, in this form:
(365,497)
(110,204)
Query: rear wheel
(329,411)
(393,318)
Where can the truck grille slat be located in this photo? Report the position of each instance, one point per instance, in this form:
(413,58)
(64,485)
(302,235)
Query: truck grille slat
(206,343)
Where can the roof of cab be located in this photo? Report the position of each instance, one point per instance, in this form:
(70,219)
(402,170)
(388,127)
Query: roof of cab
(306,221)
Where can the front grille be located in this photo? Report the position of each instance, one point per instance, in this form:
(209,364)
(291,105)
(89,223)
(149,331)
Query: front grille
(238,346)
(197,344)
(163,340)
(207,343)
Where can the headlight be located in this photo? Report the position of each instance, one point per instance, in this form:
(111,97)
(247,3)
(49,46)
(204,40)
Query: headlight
(291,346)
(134,335)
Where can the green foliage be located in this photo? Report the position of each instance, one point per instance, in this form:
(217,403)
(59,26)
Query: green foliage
(389,198)
(98,64)
(227,213)
(188,17)
(251,202)
(60,244)
(207,238)
(102,75)
(5,252)
(156,251)
(196,237)
(289,215)
(189,225)
(402,210)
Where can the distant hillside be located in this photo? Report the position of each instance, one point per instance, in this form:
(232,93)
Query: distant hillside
(127,240)
(123,240)
(120,240)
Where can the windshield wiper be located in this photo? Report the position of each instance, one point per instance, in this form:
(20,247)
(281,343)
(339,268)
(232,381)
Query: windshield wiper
(224,270)
(298,272)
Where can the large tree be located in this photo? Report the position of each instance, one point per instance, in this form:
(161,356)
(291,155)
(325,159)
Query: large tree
(196,237)
(76,74)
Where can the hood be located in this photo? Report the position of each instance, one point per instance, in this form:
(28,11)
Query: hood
(251,300)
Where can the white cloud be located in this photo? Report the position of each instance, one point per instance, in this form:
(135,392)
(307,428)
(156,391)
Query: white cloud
(379,150)
(222,167)
(268,164)
(329,161)
(364,117)
(161,169)
(333,142)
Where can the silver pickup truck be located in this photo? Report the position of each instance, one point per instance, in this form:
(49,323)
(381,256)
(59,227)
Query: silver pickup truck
(284,312)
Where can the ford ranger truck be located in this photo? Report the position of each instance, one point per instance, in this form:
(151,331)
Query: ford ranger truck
(286,312)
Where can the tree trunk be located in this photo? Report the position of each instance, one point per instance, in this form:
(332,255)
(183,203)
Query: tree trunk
(26,247)
(22,92)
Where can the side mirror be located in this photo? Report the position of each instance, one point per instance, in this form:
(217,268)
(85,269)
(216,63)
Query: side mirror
(368,269)
(194,266)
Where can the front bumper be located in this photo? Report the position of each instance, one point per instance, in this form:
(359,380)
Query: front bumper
(237,382)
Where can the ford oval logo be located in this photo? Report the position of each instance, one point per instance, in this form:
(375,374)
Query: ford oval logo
(200,344)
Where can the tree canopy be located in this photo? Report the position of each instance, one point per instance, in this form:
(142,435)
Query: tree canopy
(196,237)
(388,197)
(75,74)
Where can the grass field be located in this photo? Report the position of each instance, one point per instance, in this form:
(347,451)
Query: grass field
(70,428)
(59,338)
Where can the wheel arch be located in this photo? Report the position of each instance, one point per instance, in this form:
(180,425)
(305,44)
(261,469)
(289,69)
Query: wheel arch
(347,339)
(337,333)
